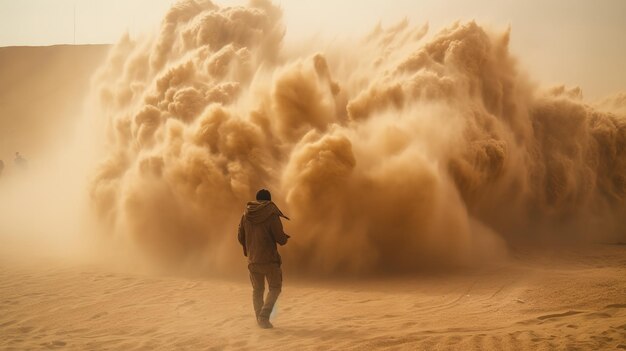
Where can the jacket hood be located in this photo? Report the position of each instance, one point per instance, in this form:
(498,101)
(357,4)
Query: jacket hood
(260,211)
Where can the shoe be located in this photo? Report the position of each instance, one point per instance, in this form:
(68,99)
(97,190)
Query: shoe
(264,323)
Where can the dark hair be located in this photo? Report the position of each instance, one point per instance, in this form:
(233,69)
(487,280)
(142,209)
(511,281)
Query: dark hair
(264,195)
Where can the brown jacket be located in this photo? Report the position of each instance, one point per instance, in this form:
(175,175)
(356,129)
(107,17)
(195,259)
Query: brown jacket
(259,231)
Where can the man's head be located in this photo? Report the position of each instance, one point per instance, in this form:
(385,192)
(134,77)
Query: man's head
(263,195)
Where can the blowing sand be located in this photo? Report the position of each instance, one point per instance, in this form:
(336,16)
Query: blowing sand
(576,301)
(406,148)
(42,94)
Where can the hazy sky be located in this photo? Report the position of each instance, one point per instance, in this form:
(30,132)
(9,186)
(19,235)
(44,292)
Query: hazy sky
(577,42)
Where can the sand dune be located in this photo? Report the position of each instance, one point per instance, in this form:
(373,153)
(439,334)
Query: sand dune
(575,301)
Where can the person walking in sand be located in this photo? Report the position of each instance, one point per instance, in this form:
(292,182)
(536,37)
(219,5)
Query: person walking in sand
(20,161)
(260,229)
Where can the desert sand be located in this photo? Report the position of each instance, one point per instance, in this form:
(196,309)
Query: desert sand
(575,300)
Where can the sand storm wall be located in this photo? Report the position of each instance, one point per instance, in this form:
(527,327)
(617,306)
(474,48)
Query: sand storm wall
(395,152)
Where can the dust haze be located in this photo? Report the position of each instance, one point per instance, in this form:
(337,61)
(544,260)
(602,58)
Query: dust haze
(44,207)
(400,151)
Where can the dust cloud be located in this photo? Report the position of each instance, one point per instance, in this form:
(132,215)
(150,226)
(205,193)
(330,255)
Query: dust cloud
(400,151)
(43,205)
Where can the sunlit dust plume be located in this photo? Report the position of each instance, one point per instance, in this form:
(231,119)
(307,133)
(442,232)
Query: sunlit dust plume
(391,153)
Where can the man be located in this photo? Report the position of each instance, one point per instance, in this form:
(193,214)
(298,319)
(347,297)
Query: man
(260,229)
(20,161)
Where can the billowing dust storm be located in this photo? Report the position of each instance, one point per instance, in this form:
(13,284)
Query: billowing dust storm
(395,152)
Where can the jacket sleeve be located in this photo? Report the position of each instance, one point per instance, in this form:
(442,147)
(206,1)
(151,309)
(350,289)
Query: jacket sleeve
(277,230)
(241,236)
